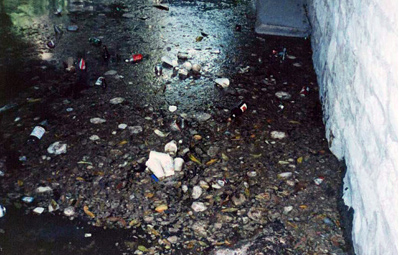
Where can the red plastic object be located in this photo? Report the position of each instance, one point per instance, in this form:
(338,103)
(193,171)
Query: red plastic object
(137,57)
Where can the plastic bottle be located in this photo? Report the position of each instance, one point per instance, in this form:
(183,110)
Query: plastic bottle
(238,111)
(37,133)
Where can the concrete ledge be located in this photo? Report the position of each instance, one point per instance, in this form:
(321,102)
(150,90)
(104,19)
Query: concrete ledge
(281,17)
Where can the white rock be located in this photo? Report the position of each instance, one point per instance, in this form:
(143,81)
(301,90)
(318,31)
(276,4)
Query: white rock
(216,186)
(183,73)
(160,133)
(184,188)
(43,189)
(197,192)
(283,95)
(97,120)
(87,235)
(171,147)
(278,135)
(198,207)
(122,126)
(284,175)
(187,65)
(288,209)
(223,82)
(196,68)
(135,130)
(172,108)
(117,100)
(94,138)
(173,239)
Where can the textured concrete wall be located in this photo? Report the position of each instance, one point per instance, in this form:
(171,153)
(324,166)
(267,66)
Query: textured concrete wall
(356,59)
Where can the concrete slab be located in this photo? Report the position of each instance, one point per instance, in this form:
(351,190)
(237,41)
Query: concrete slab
(282,17)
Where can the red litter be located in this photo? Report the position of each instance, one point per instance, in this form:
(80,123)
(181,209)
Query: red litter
(136,57)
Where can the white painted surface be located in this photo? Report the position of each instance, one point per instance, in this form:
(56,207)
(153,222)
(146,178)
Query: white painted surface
(356,59)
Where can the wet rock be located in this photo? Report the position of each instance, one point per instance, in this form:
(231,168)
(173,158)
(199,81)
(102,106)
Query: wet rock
(38,210)
(197,192)
(284,175)
(173,239)
(117,100)
(171,148)
(44,189)
(283,95)
(97,120)
(122,126)
(223,82)
(196,68)
(202,116)
(239,200)
(172,108)
(110,73)
(288,209)
(213,151)
(134,130)
(198,207)
(182,55)
(183,73)
(94,138)
(278,135)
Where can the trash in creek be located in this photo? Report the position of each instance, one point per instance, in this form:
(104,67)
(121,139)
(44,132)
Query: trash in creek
(161,164)
(57,148)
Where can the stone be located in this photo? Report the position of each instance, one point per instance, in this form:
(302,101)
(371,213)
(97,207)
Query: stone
(213,151)
(288,209)
(172,108)
(198,207)
(223,82)
(283,95)
(94,138)
(239,200)
(278,135)
(172,239)
(97,120)
(202,116)
(134,130)
(122,126)
(117,100)
(197,192)
(110,73)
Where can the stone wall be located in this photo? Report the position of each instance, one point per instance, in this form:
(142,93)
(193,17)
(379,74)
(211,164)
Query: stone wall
(356,59)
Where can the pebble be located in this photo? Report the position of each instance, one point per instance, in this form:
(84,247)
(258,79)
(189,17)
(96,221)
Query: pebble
(110,73)
(94,138)
(97,120)
(172,239)
(284,175)
(196,68)
(278,135)
(117,100)
(122,126)
(288,209)
(283,95)
(172,108)
(239,200)
(38,210)
(223,82)
(202,116)
(198,207)
(197,192)
(135,130)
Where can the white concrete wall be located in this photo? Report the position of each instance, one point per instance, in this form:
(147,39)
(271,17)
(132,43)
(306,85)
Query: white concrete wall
(355,45)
